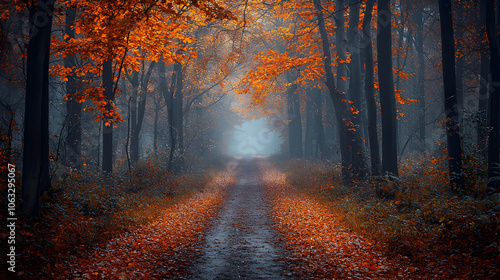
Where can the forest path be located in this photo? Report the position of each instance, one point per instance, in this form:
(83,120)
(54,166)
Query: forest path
(241,243)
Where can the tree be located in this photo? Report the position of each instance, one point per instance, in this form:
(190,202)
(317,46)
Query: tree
(483,81)
(36,128)
(370,90)
(492,18)
(450,96)
(73,106)
(386,85)
(294,118)
(350,142)
(420,84)
(138,107)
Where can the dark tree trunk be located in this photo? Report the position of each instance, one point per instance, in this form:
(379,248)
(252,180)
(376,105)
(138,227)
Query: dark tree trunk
(370,91)
(349,139)
(155,127)
(308,139)
(169,99)
(138,109)
(134,139)
(36,120)
(178,117)
(450,96)
(483,83)
(358,153)
(294,119)
(459,60)
(317,106)
(73,107)
(107,131)
(386,85)
(340,46)
(420,86)
(494,100)
(163,85)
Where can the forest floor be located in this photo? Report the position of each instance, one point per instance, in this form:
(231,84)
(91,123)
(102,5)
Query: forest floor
(246,224)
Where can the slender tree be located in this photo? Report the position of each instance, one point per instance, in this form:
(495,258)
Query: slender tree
(350,142)
(294,119)
(492,19)
(420,84)
(386,85)
(370,90)
(36,119)
(483,81)
(107,131)
(450,95)
(73,107)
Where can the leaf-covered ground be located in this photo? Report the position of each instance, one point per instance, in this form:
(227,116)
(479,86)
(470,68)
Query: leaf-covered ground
(162,249)
(320,246)
(249,222)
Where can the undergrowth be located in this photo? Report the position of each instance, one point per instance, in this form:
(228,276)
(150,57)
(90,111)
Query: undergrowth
(84,209)
(441,232)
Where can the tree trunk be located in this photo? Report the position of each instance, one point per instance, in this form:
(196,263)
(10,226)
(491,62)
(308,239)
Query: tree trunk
(178,117)
(138,109)
(169,99)
(459,60)
(308,140)
(294,119)
(494,100)
(358,155)
(370,91)
(450,96)
(317,106)
(420,86)
(483,83)
(107,131)
(340,46)
(134,139)
(73,107)
(347,133)
(386,85)
(36,120)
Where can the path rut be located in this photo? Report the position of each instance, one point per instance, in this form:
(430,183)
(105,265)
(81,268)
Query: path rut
(241,243)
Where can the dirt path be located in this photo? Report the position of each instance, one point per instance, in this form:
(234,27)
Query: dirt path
(242,244)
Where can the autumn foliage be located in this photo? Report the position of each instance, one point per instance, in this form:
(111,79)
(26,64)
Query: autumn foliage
(149,216)
(436,232)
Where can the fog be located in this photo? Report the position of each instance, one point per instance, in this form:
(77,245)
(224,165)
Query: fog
(254,137)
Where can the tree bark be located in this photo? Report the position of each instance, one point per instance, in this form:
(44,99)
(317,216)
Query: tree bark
(294,119)
(107,130)
(459,60)
(349,140)
(420,86)
(73,107)
(386,85)
(494,100)
(317,106)
(169,99)
(450,96)
(178,117)
(358,155)
(36,120)
(340,46)
(370,91)
(134,139)
(308,139)
(138,107)
(483,83)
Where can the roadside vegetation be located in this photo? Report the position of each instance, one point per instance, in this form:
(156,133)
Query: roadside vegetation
(416,217)
(84,210)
